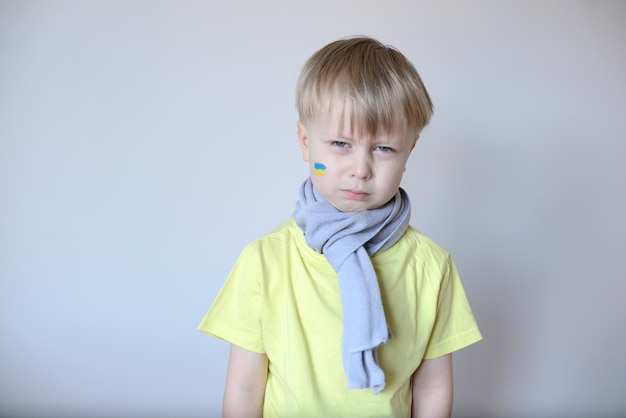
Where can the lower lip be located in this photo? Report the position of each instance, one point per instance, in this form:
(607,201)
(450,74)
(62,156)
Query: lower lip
(355,196)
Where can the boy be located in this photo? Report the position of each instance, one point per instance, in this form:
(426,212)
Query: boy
(346,310)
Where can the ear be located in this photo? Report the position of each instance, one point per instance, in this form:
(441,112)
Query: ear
(304,140)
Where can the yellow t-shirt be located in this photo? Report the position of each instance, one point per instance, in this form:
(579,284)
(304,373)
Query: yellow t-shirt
(282,299)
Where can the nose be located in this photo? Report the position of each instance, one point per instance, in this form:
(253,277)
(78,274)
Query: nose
(362,166)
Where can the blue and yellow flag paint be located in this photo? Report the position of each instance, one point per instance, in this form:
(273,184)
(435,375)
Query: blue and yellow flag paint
(320,169)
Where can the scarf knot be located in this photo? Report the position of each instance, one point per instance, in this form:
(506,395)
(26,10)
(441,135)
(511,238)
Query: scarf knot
(347,240)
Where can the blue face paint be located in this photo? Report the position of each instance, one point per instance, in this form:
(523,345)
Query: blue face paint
(320,169)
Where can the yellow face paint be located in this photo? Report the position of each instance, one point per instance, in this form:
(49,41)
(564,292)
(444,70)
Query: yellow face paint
(320,169)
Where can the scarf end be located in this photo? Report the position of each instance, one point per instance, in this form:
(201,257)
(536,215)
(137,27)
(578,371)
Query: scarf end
(377,388)
(363,371)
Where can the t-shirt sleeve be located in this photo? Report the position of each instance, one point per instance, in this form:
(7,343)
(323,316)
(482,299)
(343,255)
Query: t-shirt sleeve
(455,326)
(235,315)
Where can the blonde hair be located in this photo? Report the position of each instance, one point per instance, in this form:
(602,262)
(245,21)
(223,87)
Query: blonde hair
(378,83)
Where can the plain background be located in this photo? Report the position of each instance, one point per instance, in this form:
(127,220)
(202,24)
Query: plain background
(143,143)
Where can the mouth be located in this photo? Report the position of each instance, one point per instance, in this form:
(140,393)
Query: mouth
(354,194)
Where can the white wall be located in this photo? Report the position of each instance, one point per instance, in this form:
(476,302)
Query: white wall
(142,143)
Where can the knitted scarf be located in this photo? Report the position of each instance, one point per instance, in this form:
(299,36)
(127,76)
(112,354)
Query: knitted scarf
(348,239)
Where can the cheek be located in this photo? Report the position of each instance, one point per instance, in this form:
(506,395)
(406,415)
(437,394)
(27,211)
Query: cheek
(399,176)
(320,182)
(394,177)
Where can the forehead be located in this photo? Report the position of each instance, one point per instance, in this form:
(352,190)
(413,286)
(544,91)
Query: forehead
(343,117)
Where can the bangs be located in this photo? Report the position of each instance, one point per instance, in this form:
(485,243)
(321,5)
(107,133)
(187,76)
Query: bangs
(366,114)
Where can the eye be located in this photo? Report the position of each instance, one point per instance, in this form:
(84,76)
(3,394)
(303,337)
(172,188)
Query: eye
(383,148)
(339,144)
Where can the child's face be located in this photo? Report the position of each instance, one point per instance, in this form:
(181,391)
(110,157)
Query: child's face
(350,171)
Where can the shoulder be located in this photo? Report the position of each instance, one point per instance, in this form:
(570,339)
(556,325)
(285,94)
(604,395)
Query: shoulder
(266,253)
(283,242)
(283,235)
(416,244)
(416,257)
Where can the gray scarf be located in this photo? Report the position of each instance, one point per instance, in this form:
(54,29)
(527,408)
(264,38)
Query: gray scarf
(348,239)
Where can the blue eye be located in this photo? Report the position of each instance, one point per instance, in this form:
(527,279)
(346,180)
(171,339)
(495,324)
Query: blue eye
(384,149)
(339,144)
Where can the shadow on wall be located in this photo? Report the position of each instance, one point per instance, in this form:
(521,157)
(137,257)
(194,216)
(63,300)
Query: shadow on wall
(489,212)
(487,374)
